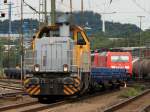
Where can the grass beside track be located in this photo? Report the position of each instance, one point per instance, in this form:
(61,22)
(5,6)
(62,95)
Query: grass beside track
(130,103)
(133,91)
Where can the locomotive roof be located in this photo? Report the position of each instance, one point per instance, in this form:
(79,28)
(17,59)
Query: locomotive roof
(55,28)
(119,53)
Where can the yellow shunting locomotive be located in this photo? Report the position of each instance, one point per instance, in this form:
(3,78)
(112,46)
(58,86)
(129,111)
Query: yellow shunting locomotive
(60,62)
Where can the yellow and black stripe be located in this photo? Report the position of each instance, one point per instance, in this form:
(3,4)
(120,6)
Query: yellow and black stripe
(72,89)
(76,81)
(33,90)
(26,81)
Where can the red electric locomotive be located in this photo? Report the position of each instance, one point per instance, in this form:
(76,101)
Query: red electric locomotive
(113,60)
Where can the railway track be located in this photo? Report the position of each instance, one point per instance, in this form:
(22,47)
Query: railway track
(145,109)
(15,106)
(11,84)
(33,106)
(36,106)
(10,81)
(13,87)
(10,89)
(129,102)
(12,94)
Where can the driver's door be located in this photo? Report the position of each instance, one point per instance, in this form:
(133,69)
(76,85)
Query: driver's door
(82,51)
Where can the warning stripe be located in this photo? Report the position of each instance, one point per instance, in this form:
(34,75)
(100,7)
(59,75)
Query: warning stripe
(29,89)
(35,89)
(66,92)
(76,82)
(26,81)
(78,88)
(37,92)
(68,89)
(73,88)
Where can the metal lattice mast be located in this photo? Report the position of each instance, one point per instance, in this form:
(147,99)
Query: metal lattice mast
(41,10)
(22,47)
(43,19)
(9,12)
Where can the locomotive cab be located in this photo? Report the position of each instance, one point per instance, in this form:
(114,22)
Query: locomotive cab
(59,61)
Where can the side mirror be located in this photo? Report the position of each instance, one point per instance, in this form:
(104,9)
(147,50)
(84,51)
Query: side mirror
(81,42)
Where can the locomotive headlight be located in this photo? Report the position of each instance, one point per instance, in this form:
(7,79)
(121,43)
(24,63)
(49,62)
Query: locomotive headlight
(65,68)
(127,67)
(113,66)
(36,68)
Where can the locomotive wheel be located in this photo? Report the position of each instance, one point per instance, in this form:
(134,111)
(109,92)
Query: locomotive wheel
(42,99)
(112,86)
(103,87)
(117,86)
(46,100)
(49,99)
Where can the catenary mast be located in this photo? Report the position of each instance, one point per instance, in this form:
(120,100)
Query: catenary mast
(53,12)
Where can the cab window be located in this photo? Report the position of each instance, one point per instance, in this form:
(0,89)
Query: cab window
(119,58)
(80,39)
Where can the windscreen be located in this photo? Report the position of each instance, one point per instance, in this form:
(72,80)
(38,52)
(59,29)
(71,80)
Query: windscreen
(119,58)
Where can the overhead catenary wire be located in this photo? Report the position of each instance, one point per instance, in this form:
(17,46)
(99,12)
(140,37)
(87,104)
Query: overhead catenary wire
(31,7)
(138,5)
(66,6)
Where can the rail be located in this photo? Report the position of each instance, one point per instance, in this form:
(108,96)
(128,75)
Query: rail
(13,87)
(10,81)
(145,109)
(126,102)
(14,94)
(35,106)
(30,106)
(10,107)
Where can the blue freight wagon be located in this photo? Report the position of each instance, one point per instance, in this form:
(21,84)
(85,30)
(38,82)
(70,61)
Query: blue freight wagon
(102,74)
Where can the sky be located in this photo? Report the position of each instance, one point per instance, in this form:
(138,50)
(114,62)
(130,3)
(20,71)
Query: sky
(126,11)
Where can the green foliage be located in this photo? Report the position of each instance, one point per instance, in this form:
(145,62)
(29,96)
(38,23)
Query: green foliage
(133,91)
(12,58)
(120,30)
(88,17)
(4,25)
(139,87)
(130,92)
(101,40)
(2,75)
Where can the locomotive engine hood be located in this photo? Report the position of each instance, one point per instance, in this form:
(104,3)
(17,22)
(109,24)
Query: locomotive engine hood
(53,54)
